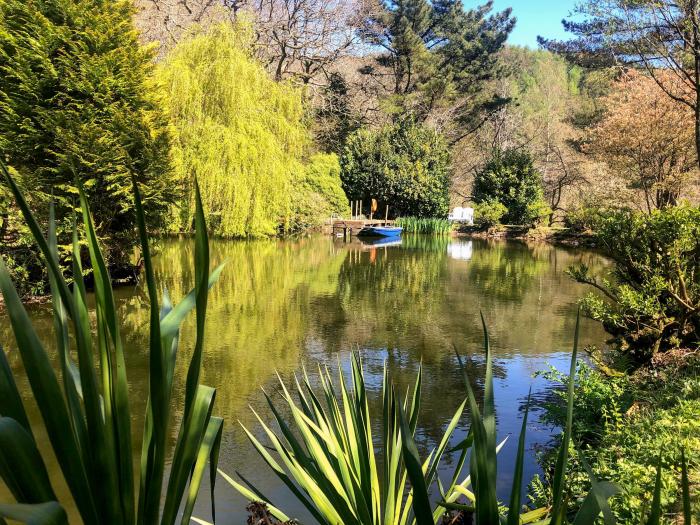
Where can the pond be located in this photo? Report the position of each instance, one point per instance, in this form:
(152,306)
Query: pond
(284,304)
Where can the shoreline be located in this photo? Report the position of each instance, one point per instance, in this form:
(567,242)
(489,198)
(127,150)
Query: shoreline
(557,237)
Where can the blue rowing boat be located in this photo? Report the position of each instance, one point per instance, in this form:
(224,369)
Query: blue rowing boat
(380,231)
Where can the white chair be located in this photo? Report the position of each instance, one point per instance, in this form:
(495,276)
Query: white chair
(469,216)
(456,214)
(460,214)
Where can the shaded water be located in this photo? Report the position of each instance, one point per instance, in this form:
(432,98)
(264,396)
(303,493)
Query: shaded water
(283,304)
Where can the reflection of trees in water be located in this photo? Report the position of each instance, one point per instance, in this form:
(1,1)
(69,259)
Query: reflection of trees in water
(258,316)
(390,294)
(505,271)
(282,302)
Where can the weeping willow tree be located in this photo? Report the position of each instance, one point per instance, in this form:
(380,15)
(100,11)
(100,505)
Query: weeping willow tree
(242,134)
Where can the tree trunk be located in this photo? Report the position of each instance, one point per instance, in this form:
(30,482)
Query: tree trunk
(696,72)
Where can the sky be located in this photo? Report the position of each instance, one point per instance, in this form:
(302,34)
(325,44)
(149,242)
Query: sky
(535,17)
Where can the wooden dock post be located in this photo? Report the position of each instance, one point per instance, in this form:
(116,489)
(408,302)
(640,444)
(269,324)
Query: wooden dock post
(386,214)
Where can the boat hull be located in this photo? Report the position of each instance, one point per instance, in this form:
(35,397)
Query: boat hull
(380,231)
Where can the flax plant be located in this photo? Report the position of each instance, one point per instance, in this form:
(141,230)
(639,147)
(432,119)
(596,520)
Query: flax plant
(85,407)
(325,454)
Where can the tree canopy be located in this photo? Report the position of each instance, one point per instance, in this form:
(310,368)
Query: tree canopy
(438,53)
(403,165)
(79,106)
(240,133)
(658,36)
(648,138)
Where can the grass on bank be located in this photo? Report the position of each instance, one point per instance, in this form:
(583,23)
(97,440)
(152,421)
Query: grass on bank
(85,408)
(430,226)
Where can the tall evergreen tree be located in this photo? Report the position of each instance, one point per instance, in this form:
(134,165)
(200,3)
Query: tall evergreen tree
(439,53)
(78,103)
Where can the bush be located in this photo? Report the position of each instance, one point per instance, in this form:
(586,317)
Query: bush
(79,104)
(319,194)
(489,213)
(404,165)
(510,178)
(582,218)
(598,400)
(653,301)
(626,426)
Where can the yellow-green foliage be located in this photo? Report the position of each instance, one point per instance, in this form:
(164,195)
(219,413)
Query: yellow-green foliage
(240,133)
(319,193)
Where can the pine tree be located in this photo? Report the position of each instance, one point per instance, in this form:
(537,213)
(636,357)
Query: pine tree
(438,53)
(78,104)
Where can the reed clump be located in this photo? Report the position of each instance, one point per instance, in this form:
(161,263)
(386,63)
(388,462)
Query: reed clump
(426,226)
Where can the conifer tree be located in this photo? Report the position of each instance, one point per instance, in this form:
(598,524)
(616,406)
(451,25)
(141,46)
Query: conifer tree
(439,53)
(78,104)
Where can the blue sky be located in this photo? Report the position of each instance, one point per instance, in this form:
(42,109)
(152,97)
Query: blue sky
(535,17)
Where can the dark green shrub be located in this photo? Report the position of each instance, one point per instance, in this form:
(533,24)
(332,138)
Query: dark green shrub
(489,213)
(510,178)
(78,103)
(404,165)
(652,303)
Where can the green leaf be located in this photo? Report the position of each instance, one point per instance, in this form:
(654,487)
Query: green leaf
(69,371)
(201,271)
(10,399)
(49,399)
(414,468)
(155,432)
(208,451)
(49,513)
(482,469)
(21,466)
(685,487)
(114,454)
(597,500)
(186,450)
(515,492)
(655,515)
(559,481)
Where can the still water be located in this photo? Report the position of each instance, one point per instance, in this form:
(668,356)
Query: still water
(281,305)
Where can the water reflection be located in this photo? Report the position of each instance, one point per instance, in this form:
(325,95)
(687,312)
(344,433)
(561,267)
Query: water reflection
(281,305)
(461,250)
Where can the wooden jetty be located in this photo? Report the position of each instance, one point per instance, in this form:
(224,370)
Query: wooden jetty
(357,221)
(350,227)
